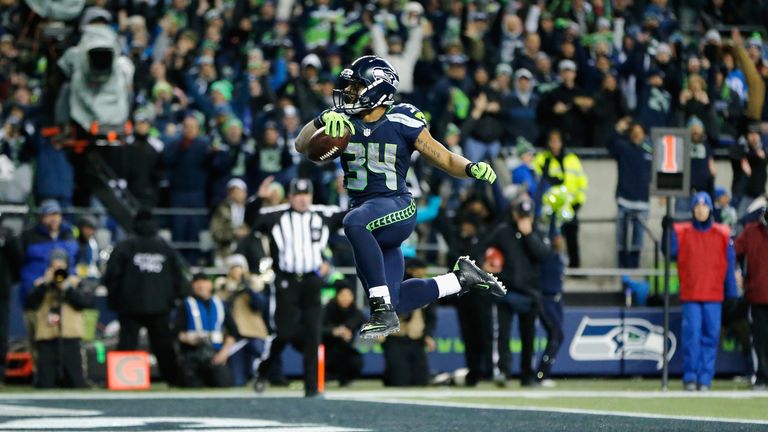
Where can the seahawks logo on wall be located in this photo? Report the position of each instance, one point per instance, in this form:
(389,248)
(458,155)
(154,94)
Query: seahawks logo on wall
(385,75)
(613,339)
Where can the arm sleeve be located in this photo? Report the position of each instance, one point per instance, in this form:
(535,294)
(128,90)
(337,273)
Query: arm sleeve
(430,211)
(413,45)
(35,297)
(79,299)
(257,300)
(755,84)
(731,288)
(672,248)
(378,42)
(536,247)
(230,326)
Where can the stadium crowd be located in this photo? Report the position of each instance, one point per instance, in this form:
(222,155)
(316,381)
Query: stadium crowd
(215,91)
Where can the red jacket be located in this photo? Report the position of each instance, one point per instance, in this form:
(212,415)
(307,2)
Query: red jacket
(702,261)
(753,243)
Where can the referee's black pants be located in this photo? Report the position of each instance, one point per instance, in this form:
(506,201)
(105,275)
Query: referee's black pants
(298,317)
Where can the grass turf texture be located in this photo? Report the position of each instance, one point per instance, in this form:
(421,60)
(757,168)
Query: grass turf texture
(745,409)
(360,407)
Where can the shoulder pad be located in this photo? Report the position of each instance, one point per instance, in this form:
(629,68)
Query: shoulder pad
(408,115)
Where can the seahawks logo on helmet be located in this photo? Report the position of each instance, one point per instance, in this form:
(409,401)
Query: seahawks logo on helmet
(386,75)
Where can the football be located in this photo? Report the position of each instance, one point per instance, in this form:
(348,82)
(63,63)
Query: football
(323,147)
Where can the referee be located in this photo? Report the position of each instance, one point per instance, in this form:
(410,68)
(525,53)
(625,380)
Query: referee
(298,233)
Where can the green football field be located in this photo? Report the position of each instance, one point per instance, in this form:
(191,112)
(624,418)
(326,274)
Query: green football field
(575,404)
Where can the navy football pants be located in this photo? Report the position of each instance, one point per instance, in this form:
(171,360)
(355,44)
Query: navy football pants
(376,228)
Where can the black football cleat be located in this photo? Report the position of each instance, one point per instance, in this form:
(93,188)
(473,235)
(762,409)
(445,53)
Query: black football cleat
(473,278)
(383,320)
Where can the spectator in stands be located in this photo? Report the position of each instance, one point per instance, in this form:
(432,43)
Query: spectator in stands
(247,304)
(706,264)
(695,102)
(341,322)
(54,179)
(50,233)
(727,106)
(524,174)
(142,157)
(755,166)
(483,128)
(233,158)
(448,100)
(522,250)
(724,212)
(228,225)
(272,156)
(610,107)
(10,263)
(144,279)
(188,161)
(567,108)
(556,167)
(57,301)
(87,257)
(655,102)
(402,56)
(16,150)
(703,168)
(519,108)
(634,156)
(206,334)
(752,247)
(405,352)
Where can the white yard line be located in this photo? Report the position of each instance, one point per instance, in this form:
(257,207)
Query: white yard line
(556,410)
(384,393)
(546,394)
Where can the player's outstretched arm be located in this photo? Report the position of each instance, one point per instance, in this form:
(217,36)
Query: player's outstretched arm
(452,163)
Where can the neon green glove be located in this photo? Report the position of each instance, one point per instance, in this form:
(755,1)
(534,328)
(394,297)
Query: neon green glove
(335,122)
(481,171)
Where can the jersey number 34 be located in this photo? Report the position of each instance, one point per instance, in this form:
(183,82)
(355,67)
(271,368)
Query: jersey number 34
(371,160)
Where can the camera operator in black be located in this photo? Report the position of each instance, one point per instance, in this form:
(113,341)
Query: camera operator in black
(58,300)
(206,334)
(144,278)
(523,250)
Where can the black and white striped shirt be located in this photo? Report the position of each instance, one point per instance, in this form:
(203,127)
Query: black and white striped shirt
(298,238)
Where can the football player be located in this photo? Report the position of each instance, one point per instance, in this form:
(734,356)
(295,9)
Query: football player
(382,211)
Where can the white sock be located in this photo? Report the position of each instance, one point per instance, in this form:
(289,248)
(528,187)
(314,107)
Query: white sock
(380,291)
(447,284)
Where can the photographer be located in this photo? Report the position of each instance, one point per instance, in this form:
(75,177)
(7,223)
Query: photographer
(57,300)
(244,296)
(206,334)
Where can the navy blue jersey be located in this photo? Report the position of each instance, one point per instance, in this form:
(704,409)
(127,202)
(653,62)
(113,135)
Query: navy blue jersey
(379,153)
